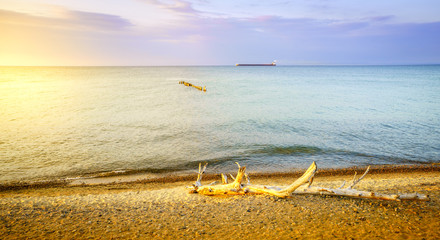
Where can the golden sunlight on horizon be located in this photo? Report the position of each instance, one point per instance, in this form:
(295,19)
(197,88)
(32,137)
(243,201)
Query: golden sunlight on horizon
(30,40)
(26,46)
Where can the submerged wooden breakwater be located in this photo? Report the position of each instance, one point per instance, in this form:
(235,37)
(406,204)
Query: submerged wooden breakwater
(194,86)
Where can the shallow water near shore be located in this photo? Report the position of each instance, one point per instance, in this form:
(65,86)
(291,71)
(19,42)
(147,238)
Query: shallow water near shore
(67,122)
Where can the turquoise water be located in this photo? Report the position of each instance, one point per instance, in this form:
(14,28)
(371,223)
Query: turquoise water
(59,122)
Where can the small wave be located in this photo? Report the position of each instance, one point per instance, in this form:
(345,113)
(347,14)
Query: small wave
(288,150)
(388,126)
(262,158)
(214,163)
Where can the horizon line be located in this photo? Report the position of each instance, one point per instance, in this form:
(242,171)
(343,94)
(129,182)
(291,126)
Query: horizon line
(225,65)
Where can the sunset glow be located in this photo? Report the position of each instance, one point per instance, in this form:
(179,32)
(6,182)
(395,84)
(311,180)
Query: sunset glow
(195,32)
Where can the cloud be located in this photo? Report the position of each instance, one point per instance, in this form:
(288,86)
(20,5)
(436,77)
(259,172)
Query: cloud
(98,21)
(381,18)
(72,20)
(177,6)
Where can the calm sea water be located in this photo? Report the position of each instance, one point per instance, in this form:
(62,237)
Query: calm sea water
(58,122)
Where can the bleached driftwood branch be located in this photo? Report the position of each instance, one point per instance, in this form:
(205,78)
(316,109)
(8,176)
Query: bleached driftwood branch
(237,188)
(350,192)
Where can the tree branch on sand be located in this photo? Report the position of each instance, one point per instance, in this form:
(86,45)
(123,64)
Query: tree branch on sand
(238,188)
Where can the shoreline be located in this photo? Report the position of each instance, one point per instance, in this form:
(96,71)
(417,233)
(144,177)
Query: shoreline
(163,209)
(147,177)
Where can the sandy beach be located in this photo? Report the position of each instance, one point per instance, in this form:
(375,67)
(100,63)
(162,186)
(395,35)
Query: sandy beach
(165,210)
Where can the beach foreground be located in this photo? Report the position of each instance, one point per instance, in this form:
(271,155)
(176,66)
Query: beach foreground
(168,211)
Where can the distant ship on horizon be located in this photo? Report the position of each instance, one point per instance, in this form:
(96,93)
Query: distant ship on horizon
(274,63)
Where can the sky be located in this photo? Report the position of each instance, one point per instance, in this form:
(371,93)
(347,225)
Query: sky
(222,32)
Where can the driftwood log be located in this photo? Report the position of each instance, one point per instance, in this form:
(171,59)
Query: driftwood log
(238,188)
(192,85)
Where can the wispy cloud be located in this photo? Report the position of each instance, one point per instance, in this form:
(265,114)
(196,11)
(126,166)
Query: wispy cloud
(97,21)
(73,20)
(380,18)
(178,6)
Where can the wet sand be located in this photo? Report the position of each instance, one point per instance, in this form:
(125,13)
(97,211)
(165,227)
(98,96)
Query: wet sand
(165,210)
